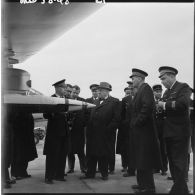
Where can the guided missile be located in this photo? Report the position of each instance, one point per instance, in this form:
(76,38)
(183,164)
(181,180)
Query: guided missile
(42,104)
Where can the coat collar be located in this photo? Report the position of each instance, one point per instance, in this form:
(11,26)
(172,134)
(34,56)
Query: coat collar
(104,102)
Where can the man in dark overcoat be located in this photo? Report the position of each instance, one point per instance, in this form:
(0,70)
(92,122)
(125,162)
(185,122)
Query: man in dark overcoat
(144,146)
(102,125)
(159,119)
(123,131)
(56,140)
(177,131)
(24,148)
(77,135)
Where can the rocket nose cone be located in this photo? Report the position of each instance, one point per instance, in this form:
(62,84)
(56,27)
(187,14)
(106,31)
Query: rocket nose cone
(88,105)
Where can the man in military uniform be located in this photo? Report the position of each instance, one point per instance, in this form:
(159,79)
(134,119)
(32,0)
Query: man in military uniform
(93,100)
(177,131)
(144,148)
(157,90)
(56,141)
(95,94)
(77,135)
(123,131)
(102,125)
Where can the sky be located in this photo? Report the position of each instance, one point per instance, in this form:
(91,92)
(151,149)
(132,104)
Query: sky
(112,41)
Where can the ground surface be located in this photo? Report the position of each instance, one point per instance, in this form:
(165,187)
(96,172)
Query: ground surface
(115,184)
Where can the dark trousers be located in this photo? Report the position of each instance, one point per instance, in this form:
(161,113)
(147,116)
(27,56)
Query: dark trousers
(111,156)
(92,164)
(163,154)
(125,162)
(19,168)
(177,152)
(82,161)
(124,159)
(111,161)
(56,159)
(145,179)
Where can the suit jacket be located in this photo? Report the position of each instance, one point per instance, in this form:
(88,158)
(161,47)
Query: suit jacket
(177,119)
(57,126)
(124,127)
(144,145)
(102,125)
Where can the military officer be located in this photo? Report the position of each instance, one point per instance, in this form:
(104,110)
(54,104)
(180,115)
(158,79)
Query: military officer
(95,94)
(77,135)
(56,141)
(144,148)
(93,100)
(177,131)
(123,131)
(157,90)
(102,125)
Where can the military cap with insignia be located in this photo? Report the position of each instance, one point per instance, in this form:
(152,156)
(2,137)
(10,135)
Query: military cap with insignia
(167,69)
(105,85)
(60,83)
(93,87)
(139,73)
(157,87)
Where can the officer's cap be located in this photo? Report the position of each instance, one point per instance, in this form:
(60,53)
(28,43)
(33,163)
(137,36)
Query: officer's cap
(139,73)
(167,69)
(60,83)
(93,87)
(157,87)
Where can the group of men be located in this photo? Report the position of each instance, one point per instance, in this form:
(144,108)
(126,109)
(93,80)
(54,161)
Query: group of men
(152,131)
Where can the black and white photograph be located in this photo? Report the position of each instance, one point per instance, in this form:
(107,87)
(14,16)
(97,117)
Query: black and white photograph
(97,97)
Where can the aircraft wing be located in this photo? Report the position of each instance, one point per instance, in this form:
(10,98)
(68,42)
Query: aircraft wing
(27,28)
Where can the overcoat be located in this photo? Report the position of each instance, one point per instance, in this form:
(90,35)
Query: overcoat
(24,148)
(57,126)
(124,127)
(102,125)
(77,133)
(144,144)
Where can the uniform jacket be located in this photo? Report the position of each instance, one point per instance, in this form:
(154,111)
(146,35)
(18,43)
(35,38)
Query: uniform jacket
(57,126)
(124,127)
(92,101)
(144,145)
(159,119)
(101,128)
(177,119)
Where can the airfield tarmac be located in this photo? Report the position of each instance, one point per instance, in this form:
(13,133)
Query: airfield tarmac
(115,184)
